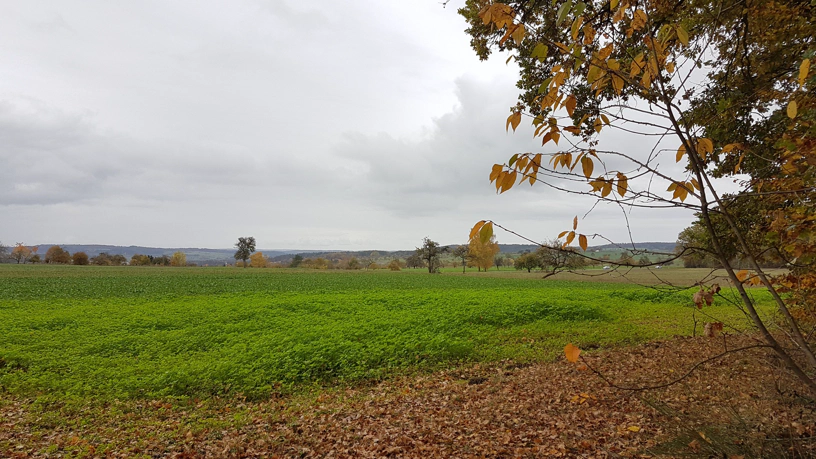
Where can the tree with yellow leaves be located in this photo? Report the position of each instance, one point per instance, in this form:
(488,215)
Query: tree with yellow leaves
(258,260)
(178,259)
(481,252)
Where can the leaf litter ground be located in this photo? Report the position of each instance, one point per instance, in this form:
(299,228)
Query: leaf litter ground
(742,405)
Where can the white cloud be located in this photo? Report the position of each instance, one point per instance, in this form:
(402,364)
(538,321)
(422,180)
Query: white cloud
(346,125)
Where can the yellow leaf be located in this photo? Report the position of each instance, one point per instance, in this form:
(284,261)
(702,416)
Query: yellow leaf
(597,184)
(739,163)
(792,109)
(598,125)
(570,103)
(633,429)
(571,352)
(508,181)
(576,27)
(606,51)
(646,79)
(803,71)
(589,35)
(639,19)
(730,146)
(742,275)
(704,147)
(570,237)
(476,228)
(671,187)
(619,15)
(575,222)
(518,34)
(513,120)
(682,35)
(617,84)
(547,137)
(605,118)
(555,137)
(562,233)
(582,241)
(613,4)
(670,67)
(607,188)
(637,65)
(681,152)
(613,64)
(587,166)
(695,183)
(623,184)
(682,193)
(494,174)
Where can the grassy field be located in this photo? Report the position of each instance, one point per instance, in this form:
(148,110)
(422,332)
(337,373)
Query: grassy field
(181,332)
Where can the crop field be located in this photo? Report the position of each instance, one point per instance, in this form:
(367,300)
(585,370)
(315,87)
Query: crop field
(133,332)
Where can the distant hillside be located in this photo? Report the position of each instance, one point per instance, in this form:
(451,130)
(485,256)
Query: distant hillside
(660,247)
(194,255)
(203,256)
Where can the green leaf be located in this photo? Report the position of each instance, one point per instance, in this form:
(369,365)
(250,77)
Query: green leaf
(545,86)
(563,11)
(486,232)
(682,35)
(540,52)
(579,8)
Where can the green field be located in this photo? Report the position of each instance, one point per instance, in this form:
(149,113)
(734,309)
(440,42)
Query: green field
(133,332)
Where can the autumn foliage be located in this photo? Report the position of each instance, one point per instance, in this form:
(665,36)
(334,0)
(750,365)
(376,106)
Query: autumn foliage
(588,67)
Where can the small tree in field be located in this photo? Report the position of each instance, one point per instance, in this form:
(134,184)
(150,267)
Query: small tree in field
(482,251)
(178,259)
(245,246)
(462,253)
(140,260)
(528,261)
(258,260)
(80,258)
(554,257)
(394,265)
(430,253)
(21,253)
(723,87)
(56,254)
(414,261)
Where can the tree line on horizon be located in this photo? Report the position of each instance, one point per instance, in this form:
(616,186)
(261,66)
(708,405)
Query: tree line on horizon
(430,255)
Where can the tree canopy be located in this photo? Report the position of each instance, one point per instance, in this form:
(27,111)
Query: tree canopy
(245,246)
(430,253)
(723,88)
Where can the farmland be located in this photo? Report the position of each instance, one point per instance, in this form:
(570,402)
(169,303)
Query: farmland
(147,332)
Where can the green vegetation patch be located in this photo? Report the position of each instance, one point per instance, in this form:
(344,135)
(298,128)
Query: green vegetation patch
(154,332)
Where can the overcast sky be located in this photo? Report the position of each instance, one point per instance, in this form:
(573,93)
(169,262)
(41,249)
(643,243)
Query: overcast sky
(308,125)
